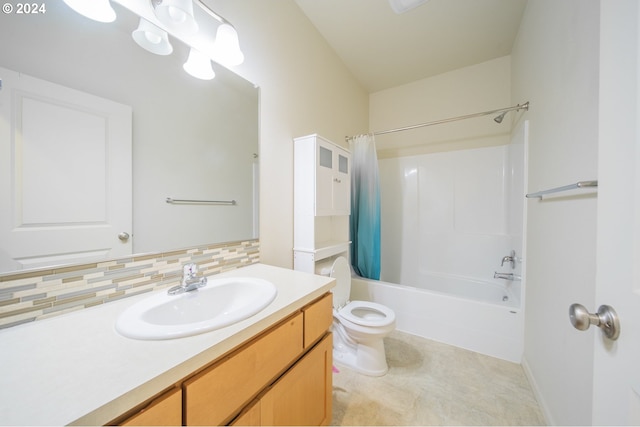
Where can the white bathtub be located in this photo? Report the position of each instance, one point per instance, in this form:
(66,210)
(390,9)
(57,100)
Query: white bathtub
(484,317)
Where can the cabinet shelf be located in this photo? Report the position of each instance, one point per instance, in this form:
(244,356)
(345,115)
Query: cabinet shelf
(325,250)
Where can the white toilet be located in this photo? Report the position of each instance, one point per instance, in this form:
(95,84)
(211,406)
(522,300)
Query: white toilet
(358,326)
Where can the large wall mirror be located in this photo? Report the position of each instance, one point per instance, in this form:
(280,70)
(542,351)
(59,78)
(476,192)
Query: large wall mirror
(191,139)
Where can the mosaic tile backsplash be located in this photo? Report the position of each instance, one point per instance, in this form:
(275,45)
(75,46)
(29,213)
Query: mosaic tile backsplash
(26,297)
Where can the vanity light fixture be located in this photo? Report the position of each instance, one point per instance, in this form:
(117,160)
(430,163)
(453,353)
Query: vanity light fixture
(161,18)
(176,15)
(199,65)
(98,10)
(227,46)
(152,38)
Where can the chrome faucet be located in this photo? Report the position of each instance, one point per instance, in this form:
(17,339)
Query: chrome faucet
(506,276)
(189,280)
(510,258)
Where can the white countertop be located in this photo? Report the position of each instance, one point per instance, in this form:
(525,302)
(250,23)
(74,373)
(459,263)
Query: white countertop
(76,369)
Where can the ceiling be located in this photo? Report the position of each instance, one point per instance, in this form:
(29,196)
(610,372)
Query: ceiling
(383,49)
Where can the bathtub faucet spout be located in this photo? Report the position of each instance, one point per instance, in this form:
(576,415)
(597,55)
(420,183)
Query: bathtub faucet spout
(506,276)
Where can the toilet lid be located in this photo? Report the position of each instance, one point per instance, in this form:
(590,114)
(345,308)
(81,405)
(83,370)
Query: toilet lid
(341,271)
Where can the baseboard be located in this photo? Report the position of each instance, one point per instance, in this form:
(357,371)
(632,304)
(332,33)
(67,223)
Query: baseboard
(548,418)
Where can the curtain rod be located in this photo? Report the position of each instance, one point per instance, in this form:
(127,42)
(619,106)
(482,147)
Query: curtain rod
(518,107)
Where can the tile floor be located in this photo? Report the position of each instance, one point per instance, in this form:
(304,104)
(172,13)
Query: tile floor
(431,383)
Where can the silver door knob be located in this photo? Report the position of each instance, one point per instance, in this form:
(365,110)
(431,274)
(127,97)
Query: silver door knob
(124,236)
(606,319)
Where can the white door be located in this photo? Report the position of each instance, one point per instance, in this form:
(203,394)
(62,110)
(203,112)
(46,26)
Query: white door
(616,398)
(65,175)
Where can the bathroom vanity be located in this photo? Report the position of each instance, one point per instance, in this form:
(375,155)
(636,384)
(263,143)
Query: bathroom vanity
(274,368)
(281,386)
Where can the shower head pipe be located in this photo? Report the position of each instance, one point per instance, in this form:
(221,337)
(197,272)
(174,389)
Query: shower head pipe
(498,119)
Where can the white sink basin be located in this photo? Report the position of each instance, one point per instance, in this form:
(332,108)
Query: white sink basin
(222,302)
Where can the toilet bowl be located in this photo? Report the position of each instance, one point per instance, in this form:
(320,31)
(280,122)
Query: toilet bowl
(358,326)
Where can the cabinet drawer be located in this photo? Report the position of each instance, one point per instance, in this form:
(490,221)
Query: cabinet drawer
(164,411)
(218,393)
(317,319)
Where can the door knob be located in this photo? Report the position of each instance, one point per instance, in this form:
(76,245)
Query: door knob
(606,319)
(124,236)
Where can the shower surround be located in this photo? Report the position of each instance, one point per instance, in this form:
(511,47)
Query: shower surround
(448,220)
(448,213)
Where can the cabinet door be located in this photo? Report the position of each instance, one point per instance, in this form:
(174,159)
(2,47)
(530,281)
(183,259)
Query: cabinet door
(342,183)
(333,180)
(164,411)
(250,416)
(303,395)
(325,163)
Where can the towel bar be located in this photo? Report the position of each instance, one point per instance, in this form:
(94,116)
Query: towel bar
(200,202)
(579,184)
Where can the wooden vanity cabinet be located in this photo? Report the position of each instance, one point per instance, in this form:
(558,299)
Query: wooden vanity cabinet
(300,397)
(282,376)
(214,396)
(303,396)
(165,410)
(318,317)
(250,415)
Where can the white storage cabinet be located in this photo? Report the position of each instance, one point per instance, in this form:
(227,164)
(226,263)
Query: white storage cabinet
(322,201)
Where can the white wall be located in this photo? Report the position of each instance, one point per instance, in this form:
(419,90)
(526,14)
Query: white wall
(481,87)
(555,67)
(305,89)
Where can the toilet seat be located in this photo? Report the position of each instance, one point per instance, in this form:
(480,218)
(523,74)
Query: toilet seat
(362,313)
(365,313)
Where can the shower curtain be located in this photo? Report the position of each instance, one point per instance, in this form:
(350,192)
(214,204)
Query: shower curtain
(365,207)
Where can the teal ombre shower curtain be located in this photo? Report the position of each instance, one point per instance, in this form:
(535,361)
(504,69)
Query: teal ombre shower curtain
(365,207)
